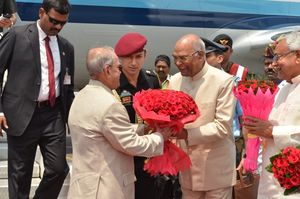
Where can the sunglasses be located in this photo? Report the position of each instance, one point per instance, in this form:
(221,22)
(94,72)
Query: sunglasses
(55,21)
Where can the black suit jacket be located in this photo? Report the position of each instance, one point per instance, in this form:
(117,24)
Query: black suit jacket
(20,55)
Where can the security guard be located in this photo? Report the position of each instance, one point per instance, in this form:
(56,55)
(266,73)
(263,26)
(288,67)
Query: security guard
(214,53)
(237,70)
(131,51)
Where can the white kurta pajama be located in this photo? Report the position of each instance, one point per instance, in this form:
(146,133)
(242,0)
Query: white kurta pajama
(285,116)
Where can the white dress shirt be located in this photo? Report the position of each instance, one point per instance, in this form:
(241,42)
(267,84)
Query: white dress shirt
(44,89)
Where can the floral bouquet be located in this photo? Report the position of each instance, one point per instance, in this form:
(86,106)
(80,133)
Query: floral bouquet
(256,98)
(166,108)
(286,169)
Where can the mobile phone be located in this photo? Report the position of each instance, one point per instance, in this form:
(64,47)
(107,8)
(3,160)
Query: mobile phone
(5,16)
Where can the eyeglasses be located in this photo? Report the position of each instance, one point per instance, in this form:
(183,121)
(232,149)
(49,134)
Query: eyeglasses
(184,58)
(55,21)
(276,57)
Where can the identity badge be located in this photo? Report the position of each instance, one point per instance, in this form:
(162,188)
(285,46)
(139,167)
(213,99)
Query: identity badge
(67,78)
(126,97)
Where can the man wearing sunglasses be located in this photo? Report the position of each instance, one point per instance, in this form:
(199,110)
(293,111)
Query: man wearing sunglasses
(36,99)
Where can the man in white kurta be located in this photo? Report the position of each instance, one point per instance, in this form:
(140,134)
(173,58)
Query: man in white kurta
(208,141)
(283,127)
(103,139)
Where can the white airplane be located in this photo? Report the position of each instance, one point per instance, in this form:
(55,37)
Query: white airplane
(251,24)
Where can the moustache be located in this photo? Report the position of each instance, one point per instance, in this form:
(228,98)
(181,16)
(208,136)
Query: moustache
(55,29)
(271,70)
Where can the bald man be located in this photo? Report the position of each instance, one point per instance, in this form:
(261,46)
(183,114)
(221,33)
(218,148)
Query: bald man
(208,141)
(103,139)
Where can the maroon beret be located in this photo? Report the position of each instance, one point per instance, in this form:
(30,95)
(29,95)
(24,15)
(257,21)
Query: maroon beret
(130,43)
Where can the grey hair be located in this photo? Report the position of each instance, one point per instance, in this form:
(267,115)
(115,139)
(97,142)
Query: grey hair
(97,58)
(293,40)
(199,45)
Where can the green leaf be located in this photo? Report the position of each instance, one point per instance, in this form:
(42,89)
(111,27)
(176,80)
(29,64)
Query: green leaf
(269,168)
(289,191)
(274,157)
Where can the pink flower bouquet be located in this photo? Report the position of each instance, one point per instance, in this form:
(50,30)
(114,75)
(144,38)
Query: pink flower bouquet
(166,108)
(256,98)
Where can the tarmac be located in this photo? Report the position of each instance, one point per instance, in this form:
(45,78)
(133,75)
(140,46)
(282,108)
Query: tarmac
(38,170)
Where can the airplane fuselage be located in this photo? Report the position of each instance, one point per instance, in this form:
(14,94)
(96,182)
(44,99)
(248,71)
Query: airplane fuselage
(251,24)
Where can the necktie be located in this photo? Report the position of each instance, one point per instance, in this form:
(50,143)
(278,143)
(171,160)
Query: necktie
(50,72)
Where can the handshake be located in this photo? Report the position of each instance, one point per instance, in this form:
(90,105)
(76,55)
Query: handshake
(166,132)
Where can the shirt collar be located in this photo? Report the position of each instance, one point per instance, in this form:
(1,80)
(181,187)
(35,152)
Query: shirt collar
(98,83)
(296,79)
(201,73)
(168,77)
(43,35)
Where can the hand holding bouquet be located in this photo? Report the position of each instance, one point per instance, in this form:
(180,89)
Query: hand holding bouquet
(166,108)
(286,168)
(256,98)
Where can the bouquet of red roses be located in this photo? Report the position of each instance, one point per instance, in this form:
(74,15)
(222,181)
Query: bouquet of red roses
(166,108)
(286,168)
(256,98)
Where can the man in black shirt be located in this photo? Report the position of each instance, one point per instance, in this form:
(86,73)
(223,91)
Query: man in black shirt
(130,49)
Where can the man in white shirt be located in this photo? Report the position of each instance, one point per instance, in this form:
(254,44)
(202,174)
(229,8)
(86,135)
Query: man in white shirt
(283,127)
(36,99)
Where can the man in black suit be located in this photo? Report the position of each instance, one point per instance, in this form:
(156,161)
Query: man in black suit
(36,99)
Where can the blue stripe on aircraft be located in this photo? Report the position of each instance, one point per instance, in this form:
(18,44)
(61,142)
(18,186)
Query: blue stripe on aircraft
(265,7)
(163,17)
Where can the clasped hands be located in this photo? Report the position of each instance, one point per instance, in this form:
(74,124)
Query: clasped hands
(166,132)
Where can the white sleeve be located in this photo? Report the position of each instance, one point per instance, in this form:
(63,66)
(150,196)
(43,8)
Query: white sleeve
(286,136)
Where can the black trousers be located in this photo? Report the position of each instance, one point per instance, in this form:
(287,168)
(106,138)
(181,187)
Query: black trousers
(47,130)
(149,187)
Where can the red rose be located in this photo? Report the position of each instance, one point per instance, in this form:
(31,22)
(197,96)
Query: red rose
(293,158)
(166,108)
(287,183)
(285,167)
(295,181)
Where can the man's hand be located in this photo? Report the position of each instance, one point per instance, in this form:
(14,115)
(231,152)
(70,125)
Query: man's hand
(241,166)
(3,124)
(166,132)
(258,127)
(6,23)
(148,129)
(182,134)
